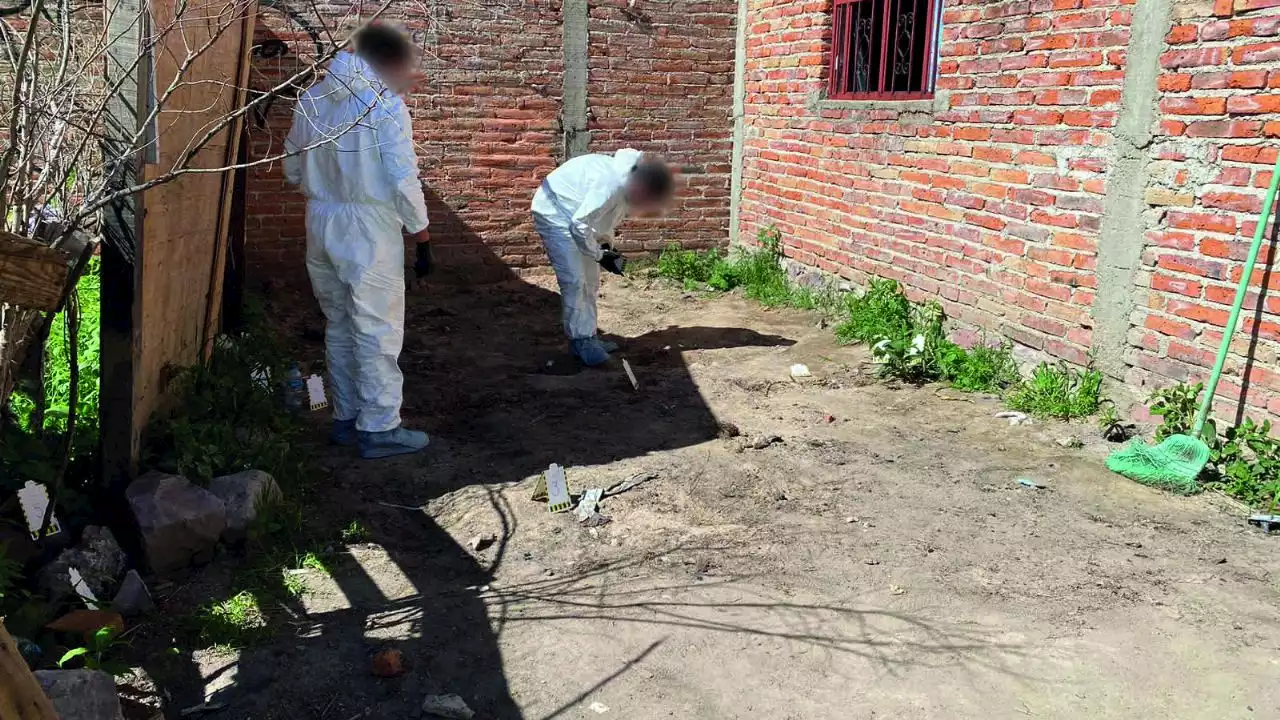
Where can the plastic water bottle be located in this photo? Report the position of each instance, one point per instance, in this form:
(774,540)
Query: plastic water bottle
(295,390)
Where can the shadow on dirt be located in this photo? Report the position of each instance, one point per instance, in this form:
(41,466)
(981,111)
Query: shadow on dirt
(488,376)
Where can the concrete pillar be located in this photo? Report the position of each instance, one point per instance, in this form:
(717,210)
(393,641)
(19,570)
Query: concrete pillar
(1122,232)
(573,114)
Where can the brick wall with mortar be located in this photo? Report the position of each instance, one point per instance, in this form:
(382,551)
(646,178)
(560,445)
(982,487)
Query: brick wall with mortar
(1084,183)
(488,124)
(1215,145)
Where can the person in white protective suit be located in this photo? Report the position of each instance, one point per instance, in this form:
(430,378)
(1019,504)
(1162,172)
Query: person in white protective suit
(575,211)
(351,152)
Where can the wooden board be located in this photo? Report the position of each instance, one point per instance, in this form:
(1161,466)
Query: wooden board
(213,307)
(32,275)
(157,295)
(20,695)
(183,239)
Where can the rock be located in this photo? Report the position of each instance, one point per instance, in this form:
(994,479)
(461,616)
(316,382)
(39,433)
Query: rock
(800,370)
(242,494)
(30,651)
(482,542)
(727,430)
(85,623)
(1070,441)
(388,663)
(97,557)
(180,523)
(134,598)
(761,442)
(447,706)
(81,694)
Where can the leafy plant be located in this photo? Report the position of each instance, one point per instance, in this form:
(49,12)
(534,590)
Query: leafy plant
(1058,391)
(1176,405)
(95,656)
(1246,463)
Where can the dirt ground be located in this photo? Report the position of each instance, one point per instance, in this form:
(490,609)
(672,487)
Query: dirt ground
(879,561)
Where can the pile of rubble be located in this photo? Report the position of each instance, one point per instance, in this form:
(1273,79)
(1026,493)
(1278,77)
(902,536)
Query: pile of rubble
(179,525)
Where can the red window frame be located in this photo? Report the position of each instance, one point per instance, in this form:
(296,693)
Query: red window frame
(877,52)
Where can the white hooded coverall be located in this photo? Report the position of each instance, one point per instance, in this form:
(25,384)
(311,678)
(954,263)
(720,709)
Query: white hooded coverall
(576,209)
(351,152)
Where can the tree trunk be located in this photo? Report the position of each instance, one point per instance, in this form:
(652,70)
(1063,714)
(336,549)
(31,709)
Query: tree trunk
(17,327)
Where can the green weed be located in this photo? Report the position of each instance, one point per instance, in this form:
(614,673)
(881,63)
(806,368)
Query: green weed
(1058,391)
(1244,461)
(758,272)
(882,311)
(355,532)
(1177,406)
(96,655)
(982,368)
(235,622)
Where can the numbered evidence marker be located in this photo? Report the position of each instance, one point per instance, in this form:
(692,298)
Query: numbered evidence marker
(554,488)
(34,499)
(315,393)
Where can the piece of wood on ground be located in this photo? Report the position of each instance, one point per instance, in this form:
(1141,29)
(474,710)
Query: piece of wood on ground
(20,695)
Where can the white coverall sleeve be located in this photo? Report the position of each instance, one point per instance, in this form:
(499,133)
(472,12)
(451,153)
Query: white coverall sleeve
(400,164)
(588,222)
(293,145)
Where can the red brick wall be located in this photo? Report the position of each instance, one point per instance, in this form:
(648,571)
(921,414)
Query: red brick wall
(487,122)
(1220,119)
(661,80)
(992,201)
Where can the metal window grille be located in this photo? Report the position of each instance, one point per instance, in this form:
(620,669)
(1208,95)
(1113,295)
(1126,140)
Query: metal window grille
(884,49)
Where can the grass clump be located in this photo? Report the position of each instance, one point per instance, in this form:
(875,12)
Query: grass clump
(758,272)
(354,533)
(235,622)
(1058,391)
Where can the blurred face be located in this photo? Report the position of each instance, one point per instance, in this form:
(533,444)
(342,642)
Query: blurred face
(398,77)
(642,202)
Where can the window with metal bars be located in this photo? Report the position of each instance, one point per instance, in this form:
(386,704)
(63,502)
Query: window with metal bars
(884,49)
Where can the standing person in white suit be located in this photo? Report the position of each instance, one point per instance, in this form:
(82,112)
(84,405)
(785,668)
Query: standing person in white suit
(575,211)
(351,152)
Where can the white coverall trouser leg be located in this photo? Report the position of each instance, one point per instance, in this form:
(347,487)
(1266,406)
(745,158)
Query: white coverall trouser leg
(355,257)
(578,276)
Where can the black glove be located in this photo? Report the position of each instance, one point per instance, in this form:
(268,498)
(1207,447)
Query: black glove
(424,264)
(613,262)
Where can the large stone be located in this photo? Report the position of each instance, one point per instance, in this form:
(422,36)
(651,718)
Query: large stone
(242,494)
(180,522)
(97,557)
(81,694)
(133,598)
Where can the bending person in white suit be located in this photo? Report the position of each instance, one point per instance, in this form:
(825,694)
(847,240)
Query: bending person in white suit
(575,211)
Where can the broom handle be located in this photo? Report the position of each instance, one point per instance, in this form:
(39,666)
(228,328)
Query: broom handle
(1241,290)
